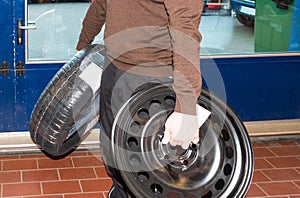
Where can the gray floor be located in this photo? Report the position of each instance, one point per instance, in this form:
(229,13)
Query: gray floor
(225,35)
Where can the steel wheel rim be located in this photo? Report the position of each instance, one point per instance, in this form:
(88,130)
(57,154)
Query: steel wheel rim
(151,169)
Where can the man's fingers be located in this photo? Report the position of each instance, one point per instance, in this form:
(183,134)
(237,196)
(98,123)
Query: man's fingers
(166,138)
(173,143)
(195,140)
(185,146)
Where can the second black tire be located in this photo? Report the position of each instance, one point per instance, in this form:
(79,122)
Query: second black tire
(68,108)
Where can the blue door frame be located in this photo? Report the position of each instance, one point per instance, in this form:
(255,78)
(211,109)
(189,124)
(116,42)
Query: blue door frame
(257,88)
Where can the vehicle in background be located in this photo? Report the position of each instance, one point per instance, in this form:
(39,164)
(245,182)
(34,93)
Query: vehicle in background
(244,10)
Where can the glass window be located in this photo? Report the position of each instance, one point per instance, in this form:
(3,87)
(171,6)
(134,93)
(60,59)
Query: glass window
(58,24)
(228,27)
(250,27)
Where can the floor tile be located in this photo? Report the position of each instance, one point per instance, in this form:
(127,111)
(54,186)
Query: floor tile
(297,182)
(96,185)
(255,191)
(50,196)
(263,152)
(95,153)
(101,172)
(33,156)
(106,194)
(262,164)
(19,164)
(286,151)
(284,162)
(85,195)
(21,189)
(296,196)
(280,188)
(79,153)
(282,174)
(87,161)
(258,176)
(57,187)
(9,157)
(39,175)
(49,163)
(288,143)
(10,177)
(77,173)
(263,145)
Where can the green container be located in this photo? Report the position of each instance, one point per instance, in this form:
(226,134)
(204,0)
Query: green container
(272,29)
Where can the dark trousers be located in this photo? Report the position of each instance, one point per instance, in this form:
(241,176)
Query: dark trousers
(116,88)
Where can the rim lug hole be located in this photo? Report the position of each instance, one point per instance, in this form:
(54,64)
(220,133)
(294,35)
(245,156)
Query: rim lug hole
(166,157)
(194,146)
(185,162)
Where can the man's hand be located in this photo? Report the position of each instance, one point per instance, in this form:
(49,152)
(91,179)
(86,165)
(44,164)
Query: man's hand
(181,129)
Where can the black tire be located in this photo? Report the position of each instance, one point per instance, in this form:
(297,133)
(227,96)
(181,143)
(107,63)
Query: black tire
(68,108)
(245,20)
(221,165)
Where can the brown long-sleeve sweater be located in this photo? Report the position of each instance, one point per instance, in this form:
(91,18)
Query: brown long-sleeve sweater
(151,37)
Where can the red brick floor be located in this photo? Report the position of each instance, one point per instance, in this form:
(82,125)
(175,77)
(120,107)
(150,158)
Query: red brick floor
(82,174)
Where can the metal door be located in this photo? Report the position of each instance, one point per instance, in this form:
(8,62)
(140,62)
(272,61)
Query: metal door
(37,38)
(6,62)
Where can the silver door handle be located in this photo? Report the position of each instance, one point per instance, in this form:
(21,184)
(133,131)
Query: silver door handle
(20,33)
(30,27)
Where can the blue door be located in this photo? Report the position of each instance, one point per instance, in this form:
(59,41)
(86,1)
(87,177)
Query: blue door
(6,62)
(37,38)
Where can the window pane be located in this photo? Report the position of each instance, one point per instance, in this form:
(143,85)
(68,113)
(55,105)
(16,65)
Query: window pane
(58,24)
(225,35)
(228,27)
(254,26)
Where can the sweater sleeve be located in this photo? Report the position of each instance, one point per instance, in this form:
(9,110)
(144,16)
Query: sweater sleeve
(184,19)
(92,23)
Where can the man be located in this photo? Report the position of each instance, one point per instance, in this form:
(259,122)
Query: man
(147,41)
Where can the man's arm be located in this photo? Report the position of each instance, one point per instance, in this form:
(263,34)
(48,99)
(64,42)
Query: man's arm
(181,128)
(92,23)
(184,19)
